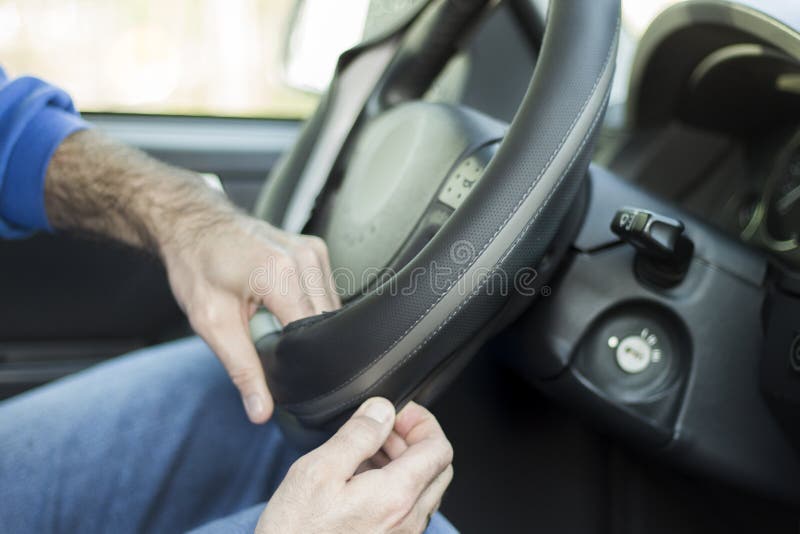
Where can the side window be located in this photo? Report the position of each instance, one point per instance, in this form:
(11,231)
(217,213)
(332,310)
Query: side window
(322,29)
(189,57)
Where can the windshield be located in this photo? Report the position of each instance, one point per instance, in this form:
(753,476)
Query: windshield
(636,17)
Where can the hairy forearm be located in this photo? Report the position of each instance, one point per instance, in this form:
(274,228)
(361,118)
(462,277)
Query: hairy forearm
(211,251)
(96,185)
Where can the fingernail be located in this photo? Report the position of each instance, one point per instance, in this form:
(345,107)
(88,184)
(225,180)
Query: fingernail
(378,410)
(255,406)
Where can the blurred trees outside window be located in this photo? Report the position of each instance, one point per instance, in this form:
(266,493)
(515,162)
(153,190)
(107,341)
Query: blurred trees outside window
(184,57)
(202,57)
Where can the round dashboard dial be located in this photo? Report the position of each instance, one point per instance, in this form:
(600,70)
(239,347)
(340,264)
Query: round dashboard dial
(774,220)
(783,211)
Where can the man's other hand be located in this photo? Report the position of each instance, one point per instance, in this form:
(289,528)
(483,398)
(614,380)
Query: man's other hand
(331,489)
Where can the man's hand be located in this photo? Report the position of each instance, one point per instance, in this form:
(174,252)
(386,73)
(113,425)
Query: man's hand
(329,490)
(232,268)
(222,264)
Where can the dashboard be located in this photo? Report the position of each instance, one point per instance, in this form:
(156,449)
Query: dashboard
(713,120)
(771,217)
(712,116)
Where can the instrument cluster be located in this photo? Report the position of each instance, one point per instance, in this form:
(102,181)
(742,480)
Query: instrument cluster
(772,222)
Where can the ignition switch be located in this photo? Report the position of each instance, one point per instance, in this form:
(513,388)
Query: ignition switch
(635,353)
(663,252)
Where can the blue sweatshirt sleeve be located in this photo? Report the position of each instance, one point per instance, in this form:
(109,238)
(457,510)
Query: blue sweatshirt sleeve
(35,118)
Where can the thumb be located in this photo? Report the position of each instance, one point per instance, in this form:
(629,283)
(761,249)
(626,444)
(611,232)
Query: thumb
(360,437)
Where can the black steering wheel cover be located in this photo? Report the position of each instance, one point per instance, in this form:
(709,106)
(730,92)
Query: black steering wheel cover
(388,342)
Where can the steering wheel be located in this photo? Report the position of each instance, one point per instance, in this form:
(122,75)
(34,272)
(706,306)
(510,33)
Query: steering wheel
(436,215)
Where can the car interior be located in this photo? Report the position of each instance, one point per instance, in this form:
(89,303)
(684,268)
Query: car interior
(645,378)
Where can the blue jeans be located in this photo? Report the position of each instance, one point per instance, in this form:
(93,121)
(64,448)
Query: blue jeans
(155,441)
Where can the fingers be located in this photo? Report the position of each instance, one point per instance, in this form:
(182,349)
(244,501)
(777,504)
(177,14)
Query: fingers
(312,278)
(287,300)
(415,422)
(415,477)
(428,453)
(376,462)
(321,250)
(302,284)
(320,492)
(394,446)
(223,325)
(430,500)
(360,438)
